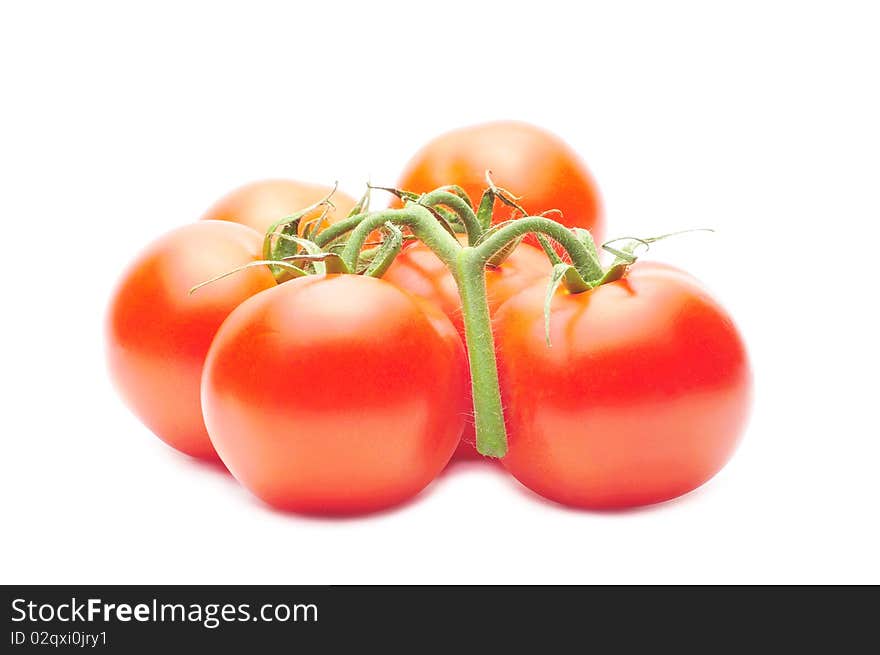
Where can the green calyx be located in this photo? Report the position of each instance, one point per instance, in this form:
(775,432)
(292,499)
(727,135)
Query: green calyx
(291,239)
(625,255)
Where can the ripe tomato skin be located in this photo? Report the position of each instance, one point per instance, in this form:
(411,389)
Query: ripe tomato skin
(158,334)
(335,395)
(260,204)
(419,271)
(641,398)
(524,159)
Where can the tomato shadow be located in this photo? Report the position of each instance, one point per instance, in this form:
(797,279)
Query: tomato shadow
(354,516)
(216,467)
(456,466)
(338,516)
(472,461)
(209,465)
(462,463)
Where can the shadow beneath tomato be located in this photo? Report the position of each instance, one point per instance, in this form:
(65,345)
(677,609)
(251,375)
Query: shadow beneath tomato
(214,465)
(454,467)
(459,464)
(198,463)
(339,516)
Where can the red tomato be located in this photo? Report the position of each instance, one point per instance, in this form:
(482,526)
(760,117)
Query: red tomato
(158,334)
(419,271)
(260,204)
(336,394)
(642,396)
(524,159)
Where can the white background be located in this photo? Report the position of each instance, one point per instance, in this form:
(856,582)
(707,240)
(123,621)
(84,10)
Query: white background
(759,119)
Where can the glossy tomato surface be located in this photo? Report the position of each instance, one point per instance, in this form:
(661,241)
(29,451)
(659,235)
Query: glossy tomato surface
(158,333)
(260,204)
(642,396)
(526,160)
(419,271)
(338,394)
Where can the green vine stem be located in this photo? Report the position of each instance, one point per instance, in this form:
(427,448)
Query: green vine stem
(339,229)
(457,190)
(470,276)
(425,216)
(462,209)
(392,244)
(419,219)
(467,264)
(467,267)
(498,238)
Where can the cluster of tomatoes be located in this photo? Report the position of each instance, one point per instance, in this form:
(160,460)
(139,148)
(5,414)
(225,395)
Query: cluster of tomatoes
(332,388)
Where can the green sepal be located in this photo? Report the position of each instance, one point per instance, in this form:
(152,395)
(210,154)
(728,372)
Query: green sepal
(573,282)
(274,246)
(440,219)
(624,257)
(486,209)
(312,227)
(451,218)
(462,210)
(492,230)
(402,194)
(498,258)
(586,238)
(456,190)
(297,271)
(334,264)
(363,204)
(287,248)
(278,228)
(330,262)
(504,195)
(392,244)
(365,258)
(548,249)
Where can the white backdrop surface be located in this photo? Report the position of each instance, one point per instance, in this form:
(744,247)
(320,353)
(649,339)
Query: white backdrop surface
(759,119)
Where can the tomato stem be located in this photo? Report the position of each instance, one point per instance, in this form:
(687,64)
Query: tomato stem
(385,254)
(494,241)
(462,209)
(339,229)
(467,266)
(469,274)
(468,269)
(419,219)
(486,209)
(426,216)
(457,190)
